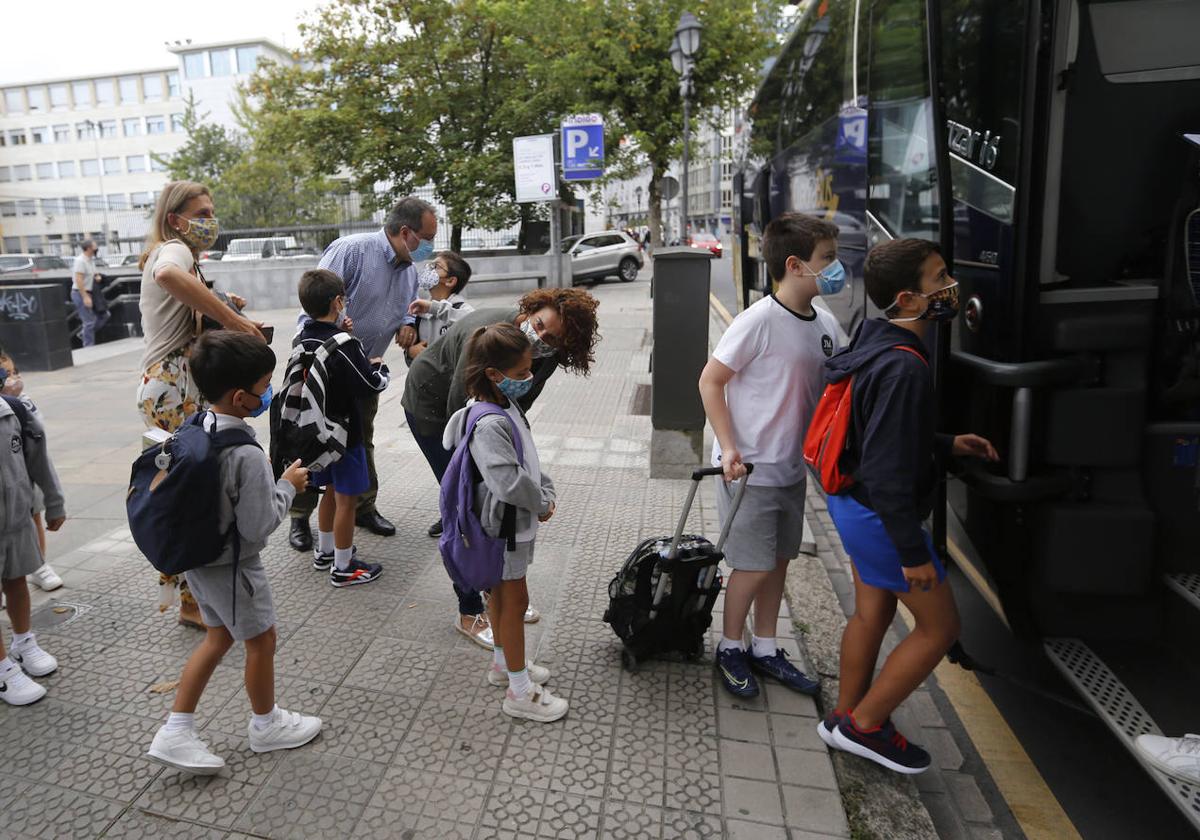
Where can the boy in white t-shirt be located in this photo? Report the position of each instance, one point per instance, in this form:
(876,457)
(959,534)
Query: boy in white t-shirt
(759,390)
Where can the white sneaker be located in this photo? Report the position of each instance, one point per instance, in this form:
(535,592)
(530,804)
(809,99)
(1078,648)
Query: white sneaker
(540,705)
(17,689)
(33,660)
(537,674)
(45,578)
(480,632)
(532,616)
(286,732)
(183,750)
(1179,758)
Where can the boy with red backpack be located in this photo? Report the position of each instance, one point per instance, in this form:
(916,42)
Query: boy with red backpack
(881,484)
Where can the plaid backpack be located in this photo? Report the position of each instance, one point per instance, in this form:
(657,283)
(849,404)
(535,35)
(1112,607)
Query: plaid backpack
(301,427)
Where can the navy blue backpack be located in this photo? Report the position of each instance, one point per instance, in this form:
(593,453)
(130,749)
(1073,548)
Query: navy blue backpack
(172,499)
(474,560)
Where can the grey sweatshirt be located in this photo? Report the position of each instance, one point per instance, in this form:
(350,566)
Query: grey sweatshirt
(249,490)
(505,481)
(24,462)
(442,315)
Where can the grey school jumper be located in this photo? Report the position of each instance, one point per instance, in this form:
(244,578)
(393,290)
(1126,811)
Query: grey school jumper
(24,462)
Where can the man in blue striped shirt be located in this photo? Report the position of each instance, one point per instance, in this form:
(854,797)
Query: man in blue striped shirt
(381,281)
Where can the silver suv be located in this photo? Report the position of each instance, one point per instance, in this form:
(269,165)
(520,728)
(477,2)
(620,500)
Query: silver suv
(598,255)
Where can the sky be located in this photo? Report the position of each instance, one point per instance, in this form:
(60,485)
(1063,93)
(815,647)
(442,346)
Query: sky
(63,38)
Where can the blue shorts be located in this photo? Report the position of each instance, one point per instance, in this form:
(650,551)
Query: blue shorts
(870,548)
(348,474)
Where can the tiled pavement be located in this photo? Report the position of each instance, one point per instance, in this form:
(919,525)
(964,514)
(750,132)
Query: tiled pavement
(415,745)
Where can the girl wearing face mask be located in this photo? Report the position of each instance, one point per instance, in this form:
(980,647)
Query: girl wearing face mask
(172,295)
(499,370)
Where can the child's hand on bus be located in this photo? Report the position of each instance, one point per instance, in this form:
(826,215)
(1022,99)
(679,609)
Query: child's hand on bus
(980,447)
(545,517)
(296,475)
(920,578)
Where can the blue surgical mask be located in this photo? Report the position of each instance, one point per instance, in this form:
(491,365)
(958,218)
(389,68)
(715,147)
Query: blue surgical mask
(831,279)
(514,389)
(422,252)
(264,401)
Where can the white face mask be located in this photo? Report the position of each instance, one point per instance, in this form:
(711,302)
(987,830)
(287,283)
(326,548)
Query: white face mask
(428,278)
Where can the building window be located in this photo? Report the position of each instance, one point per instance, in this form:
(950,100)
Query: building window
(62,133)
(45,171)
(112,166)
(136,163)
(71,204)
(17,137)
(141,200)
(83,94)
(58,98)
(247,59)
(173,85)
(93,202)
(27,207)
(108,128)
(8,208)
(66,169)
(5,174)
(157,165)
(23,172)
(220,63)
(104,92)
(83,130)
(117,201)
(726,199)
(14,102)
(156,125)
(152,87)
(128,86)
(89,168)
(37,98)
(177,122)
(12,244)
(132,126)
(50,206)
(41,134)
(193,65)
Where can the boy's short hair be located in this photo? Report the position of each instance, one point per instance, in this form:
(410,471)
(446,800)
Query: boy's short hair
(318,288)
(793,235)
(222,361)
(895,266)
(458,268)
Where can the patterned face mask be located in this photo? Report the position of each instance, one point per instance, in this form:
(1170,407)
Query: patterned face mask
(201,233)
(943,305)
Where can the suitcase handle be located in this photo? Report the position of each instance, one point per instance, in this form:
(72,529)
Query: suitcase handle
(697,475)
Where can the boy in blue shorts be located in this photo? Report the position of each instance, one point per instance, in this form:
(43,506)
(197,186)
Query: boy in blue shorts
(759,390)
(351,378)
(891,456)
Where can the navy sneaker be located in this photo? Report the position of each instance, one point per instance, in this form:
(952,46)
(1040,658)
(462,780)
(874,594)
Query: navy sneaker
(734,666)
(825,728)
(322,560)
(883,745)
(357,572)
(777,667)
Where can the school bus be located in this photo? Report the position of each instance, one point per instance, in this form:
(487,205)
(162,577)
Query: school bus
(1052,148)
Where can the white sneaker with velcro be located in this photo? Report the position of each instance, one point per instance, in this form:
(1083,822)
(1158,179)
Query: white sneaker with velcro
(183,750)
(1179,758)
(539,705)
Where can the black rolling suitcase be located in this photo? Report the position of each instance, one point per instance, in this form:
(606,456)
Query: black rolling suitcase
(661,600)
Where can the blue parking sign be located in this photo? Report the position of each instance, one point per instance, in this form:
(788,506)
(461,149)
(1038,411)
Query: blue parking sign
(582,147)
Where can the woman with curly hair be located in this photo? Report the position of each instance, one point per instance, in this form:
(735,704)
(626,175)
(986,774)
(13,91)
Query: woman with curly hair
(561,327)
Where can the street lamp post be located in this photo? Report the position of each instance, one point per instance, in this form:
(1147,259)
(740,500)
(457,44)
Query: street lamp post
(637,192)
(683,51)
(94,127)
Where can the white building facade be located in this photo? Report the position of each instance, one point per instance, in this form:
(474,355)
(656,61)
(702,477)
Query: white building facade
(77,155)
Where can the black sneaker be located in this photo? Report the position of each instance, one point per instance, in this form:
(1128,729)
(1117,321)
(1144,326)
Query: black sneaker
(883,745)
(435,530)
(778,668)
(322,560)
(357,572)
(825,728)
(734,666)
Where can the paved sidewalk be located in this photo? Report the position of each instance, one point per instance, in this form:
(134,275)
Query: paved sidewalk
(415,744)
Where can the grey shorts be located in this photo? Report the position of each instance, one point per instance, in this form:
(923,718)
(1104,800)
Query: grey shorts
(768,526)
(516,563)
(213,588)
(19,552)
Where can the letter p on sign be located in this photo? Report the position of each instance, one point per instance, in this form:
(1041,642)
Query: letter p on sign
(577,139)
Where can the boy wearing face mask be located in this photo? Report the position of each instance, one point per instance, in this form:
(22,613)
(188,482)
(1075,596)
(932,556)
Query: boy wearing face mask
(352,379)
(444,279)
(892,456)
(759,390)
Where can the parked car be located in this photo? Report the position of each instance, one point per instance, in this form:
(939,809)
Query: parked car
(32,262)
(704,239)
(258,247)
(595,256)
(128,259)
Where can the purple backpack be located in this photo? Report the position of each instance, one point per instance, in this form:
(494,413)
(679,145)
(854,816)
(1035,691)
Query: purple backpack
(474,560)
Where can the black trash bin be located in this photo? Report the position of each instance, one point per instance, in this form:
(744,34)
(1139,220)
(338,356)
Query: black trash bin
(33,326)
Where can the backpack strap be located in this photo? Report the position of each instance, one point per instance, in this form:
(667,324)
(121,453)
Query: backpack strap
(22,414)
(508,520)
(907,349)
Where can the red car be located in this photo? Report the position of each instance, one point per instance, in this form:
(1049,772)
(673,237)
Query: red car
(707,241)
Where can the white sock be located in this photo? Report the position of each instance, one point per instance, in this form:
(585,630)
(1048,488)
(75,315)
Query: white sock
(325,541)
(763,647)
(261,722)
(519,683)
(7,666)
(727,643)
(179,720)
(341,558)
(22,638)
(498,659)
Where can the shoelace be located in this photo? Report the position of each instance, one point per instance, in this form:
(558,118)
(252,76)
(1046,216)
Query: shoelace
(1189,745)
